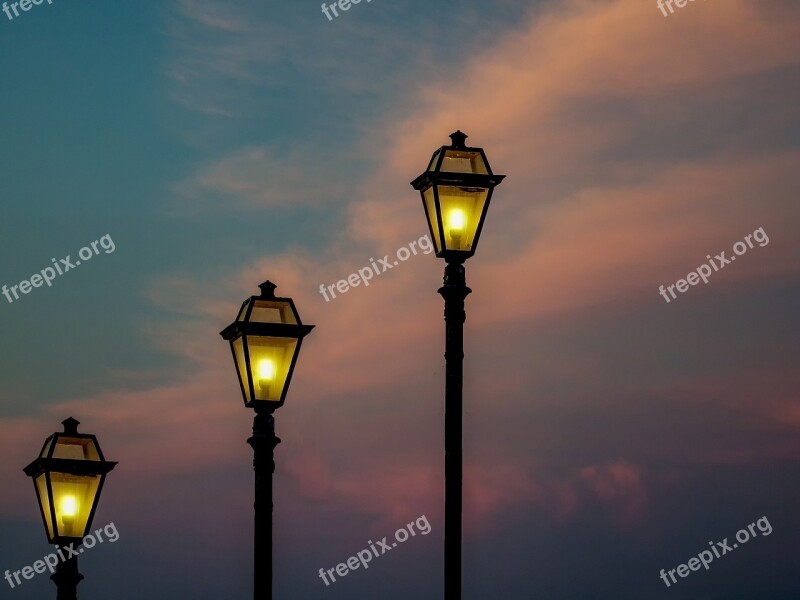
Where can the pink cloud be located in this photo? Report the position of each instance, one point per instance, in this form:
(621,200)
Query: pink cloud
(620,486)
(397,493)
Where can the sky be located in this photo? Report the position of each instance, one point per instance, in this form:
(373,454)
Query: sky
(610,430)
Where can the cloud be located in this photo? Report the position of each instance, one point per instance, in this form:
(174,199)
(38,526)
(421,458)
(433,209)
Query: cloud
(592,217)
(588,108)
(493,492)
(219,49)
(619,485)
(264,177)
(624,173)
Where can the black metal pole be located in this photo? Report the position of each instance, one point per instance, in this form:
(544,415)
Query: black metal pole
(263,443)
(454,291)
(67,579)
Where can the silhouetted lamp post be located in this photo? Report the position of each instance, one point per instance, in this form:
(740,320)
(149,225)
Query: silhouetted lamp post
(68,477)
(456,190)
(265,340)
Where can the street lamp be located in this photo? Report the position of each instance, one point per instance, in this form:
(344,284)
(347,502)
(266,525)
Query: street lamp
(265,341)
(68,477)
(456,190)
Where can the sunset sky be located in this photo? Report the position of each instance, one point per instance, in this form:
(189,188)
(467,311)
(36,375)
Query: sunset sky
(608,434)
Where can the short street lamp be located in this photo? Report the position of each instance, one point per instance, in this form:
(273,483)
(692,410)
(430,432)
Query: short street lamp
(68,478)
(456,190)
(265,341)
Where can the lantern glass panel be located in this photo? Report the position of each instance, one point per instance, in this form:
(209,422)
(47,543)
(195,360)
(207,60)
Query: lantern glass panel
(463,161)
(433,219)
(73,498)
(75,448)
(270,311)
(242,312)
(44,498)
(461,210)
(434,160)
(47,445)
(270,362)
(241,367)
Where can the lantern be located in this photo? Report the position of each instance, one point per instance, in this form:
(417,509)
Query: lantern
(265,341)
(68,477)
(456,190)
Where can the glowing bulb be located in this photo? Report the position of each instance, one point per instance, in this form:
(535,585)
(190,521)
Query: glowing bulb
(266,375)
(457,222)
(69,506)
(69,510)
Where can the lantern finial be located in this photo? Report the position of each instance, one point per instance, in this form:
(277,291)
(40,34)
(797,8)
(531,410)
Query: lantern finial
(71,426)
(459,139)
(268,290)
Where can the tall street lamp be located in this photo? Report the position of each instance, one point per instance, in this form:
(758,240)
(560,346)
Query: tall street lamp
(456,190)
(68,477)
(265,341)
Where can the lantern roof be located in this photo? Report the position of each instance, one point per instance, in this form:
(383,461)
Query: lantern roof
(267,315)
(70,452)
(458,164)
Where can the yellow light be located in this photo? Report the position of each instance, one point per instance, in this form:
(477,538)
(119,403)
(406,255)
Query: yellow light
(456,221)
(266,375)
(69,506)
(266,370)
(69,510)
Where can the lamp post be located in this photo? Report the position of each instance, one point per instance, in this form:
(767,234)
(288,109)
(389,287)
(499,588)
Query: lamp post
(265,341)
(68,477)
(456,190)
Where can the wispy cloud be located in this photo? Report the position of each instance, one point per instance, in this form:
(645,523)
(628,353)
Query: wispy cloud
(262,177)
(219,50)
